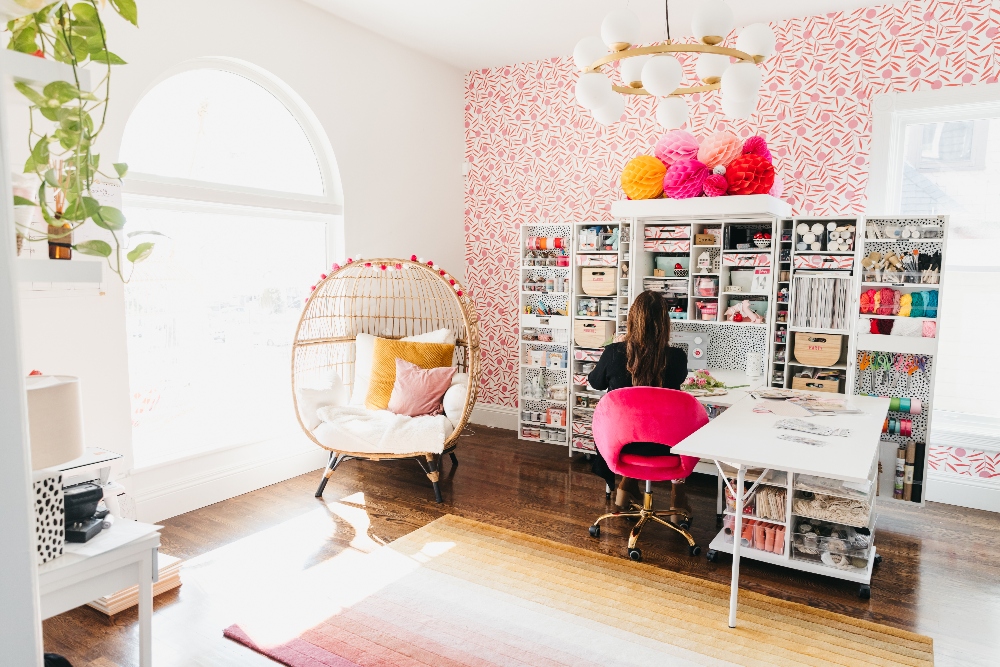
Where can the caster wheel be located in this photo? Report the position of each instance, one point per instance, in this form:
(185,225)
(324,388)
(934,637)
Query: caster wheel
(718,521)
(865,592)
(694,550)
(878,559)
(684,525)
(712,556)
(635,555)
(595,531)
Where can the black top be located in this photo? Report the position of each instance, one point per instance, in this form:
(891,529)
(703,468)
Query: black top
(611,372)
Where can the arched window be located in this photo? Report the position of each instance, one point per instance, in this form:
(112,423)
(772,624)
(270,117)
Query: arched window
(234,173)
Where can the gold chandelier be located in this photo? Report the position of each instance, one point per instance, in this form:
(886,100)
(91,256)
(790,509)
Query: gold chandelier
(652,71)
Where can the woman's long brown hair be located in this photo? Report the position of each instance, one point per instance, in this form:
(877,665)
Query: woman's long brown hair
(647,340)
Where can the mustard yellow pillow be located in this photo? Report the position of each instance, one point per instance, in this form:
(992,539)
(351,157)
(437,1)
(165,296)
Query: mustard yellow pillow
(425,355)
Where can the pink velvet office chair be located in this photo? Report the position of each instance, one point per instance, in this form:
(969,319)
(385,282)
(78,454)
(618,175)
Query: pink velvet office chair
(647,414)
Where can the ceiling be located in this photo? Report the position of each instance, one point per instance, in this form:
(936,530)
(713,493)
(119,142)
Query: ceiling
(471,34)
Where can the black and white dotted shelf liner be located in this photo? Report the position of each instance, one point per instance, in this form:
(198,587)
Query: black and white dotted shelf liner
(50,529)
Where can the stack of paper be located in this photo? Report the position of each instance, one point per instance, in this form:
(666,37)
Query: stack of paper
(170,578)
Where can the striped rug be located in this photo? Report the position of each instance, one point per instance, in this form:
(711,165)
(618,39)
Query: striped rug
(457,592)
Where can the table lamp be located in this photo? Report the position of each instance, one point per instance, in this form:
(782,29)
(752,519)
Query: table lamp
(55,430)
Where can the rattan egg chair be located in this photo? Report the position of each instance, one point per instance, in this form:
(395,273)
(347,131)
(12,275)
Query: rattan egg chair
(388,298)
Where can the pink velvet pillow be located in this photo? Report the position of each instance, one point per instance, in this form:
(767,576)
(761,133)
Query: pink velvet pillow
(419,391)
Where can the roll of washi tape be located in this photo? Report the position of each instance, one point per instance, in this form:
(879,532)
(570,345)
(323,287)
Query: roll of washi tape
(894,404)
(915,406)
(904,405)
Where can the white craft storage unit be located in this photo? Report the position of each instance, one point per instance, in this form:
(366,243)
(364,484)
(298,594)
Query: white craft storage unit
(932,238)
(607,250)
(545,282)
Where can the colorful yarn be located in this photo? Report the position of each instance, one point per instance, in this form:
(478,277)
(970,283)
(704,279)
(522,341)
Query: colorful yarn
(930,303)
(917,305)
(868,301)
(895,302)
(884,327)
(904,305)
(876,298)
(886,300)
(930,329)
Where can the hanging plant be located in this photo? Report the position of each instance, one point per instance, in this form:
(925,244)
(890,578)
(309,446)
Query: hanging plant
(65,124)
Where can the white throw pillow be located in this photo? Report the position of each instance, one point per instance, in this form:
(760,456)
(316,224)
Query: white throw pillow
(311,400)
(364,352)
(460,378)
(454,402)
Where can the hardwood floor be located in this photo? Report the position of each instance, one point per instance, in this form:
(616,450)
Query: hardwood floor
(940,576)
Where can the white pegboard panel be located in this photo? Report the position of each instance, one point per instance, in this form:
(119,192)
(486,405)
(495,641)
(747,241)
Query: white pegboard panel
(729,343)
(872,382)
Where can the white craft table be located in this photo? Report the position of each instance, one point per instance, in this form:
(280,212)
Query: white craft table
(117,558)
(743,438)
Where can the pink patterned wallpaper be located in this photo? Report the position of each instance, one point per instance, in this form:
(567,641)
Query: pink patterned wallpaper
(535,155)
(965,462)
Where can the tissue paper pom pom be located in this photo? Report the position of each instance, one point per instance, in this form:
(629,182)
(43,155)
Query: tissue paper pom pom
(715,185)
(757,146)
(676,145)
(413,258)
(719,148)
(778,188)
(684,179)
(643,178)
(749,175)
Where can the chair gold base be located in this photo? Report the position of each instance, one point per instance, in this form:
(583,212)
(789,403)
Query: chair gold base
(644,514)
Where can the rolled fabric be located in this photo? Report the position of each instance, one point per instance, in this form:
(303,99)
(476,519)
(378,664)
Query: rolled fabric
(886,297)
(917,305)
(905,301)
(908,327)
(868,301)
(930,329)
(895,302)
(885,326)
(876,298)
(874,326)
(930,303)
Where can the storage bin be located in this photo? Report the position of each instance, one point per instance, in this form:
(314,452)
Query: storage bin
(593,333)
(667,232)
(598,282)
(706,286)
(814,349)
(808,384)
(662,245)
(597,260)
(587,355)
(843,262)
(584,443)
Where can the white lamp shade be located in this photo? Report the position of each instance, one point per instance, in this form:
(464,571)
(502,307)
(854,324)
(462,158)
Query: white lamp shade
(757,39)
(738,108)
(711,66)
(55,420)
(712,21)
(662,75)
(671,112)
(741,80)
(631,69)
(588,50)
(620,27)
(610,112)
(15,9)
(593,90)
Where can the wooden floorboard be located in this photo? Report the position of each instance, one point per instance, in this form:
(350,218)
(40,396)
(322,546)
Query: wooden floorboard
(940,576)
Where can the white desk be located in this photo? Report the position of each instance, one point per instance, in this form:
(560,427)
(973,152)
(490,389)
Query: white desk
(122,556)
(745,439)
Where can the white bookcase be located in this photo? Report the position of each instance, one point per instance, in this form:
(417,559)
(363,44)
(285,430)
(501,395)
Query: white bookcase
(546,283)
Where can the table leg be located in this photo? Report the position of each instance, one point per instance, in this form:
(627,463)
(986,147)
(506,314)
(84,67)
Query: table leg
(720,499)
(146,610)
(734,586)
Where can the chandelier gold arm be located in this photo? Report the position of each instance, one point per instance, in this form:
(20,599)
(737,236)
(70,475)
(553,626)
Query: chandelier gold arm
(670,48)
(628,90)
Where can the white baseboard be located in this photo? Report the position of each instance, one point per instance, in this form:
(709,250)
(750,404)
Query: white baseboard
(980,494)
(160,495)
(497,416)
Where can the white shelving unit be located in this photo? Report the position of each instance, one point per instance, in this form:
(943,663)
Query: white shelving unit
(596,245)
(893,383)
(546,284)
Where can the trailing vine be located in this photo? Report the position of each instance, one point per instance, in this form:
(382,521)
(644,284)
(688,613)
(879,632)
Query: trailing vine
(63,130)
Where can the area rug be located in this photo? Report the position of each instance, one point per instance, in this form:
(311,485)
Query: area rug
(457,592)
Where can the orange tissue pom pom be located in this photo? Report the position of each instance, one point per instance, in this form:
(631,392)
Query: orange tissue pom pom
(642,177)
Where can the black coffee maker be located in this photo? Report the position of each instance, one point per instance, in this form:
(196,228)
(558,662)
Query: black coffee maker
(83,520)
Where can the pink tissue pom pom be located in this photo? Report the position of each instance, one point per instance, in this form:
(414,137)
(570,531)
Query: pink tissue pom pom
(368,265)
(430,262)
(322,276)
(676,145)
(381,267)
(336,267)
(312,289)
(719,148)
(715,185)
(398,266)
(757,146)
(778,188)
(684,179)
(413,258)
(349,260)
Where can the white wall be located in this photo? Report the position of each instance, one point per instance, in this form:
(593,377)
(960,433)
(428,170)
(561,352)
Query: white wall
(394,118)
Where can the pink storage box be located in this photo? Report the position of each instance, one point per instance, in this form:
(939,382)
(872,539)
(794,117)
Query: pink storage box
(584,443)
(845,262)
(657,245)
(597,260)
(672,232)
(580,428)
(580,379)
(749,259)
(587,355)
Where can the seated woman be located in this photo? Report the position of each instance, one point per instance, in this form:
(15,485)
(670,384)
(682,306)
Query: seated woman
(644,359)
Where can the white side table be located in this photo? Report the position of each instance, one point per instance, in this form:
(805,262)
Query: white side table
(122,556)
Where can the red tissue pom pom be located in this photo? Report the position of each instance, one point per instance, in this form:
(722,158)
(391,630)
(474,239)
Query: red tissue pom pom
(459,292)
(430,263)
(413,258)
(749,175)
(452,282)
(381,267)
(398,266)
(368,265)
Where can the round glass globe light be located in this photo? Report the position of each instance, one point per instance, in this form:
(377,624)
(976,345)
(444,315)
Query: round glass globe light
(593,90)
(736,107)
(610,112)
(672,112)
(620,27)
(631,69)
(741,80)
(757,39)
(711,66)
(712,21)
(661,75)
(587,51)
